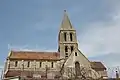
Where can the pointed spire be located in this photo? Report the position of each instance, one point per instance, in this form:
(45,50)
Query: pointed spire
(66,24)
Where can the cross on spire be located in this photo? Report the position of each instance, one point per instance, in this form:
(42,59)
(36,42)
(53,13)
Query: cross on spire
(64,10)
(66,24)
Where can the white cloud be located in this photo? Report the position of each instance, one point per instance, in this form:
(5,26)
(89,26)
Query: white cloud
(101,38)
(39,50)
(30,48)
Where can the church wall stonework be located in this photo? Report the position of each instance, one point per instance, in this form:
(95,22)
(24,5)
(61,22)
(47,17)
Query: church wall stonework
(33,65)
(79,58)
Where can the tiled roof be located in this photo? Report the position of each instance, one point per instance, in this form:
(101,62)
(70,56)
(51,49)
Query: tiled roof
(13,73)
(97,65)
(32,55)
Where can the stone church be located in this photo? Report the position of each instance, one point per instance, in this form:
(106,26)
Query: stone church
(67,62)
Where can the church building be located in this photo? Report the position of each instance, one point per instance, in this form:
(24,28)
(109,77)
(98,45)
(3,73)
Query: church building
(66,63)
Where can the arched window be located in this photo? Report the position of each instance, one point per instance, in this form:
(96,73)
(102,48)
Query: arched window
(66,48)
(77,68)
(65,36)
(52,65)
(59,49)
(66,55)
(28,65)
(72,47)
(71,37)
(16,63)
(40,64)
(75,53)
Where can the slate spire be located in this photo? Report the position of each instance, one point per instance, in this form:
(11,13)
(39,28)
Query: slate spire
(66,24)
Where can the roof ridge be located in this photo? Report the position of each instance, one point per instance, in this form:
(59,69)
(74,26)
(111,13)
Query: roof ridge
(34,55)
(35,51)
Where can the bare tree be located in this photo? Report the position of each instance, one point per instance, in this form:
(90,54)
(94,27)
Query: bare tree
(71,74)
(60,67)
(84,74)
(46,71)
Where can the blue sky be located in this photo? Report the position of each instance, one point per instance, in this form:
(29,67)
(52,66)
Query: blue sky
(28,24)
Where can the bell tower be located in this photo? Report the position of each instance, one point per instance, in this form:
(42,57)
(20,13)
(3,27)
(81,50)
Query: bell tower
(67,39)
